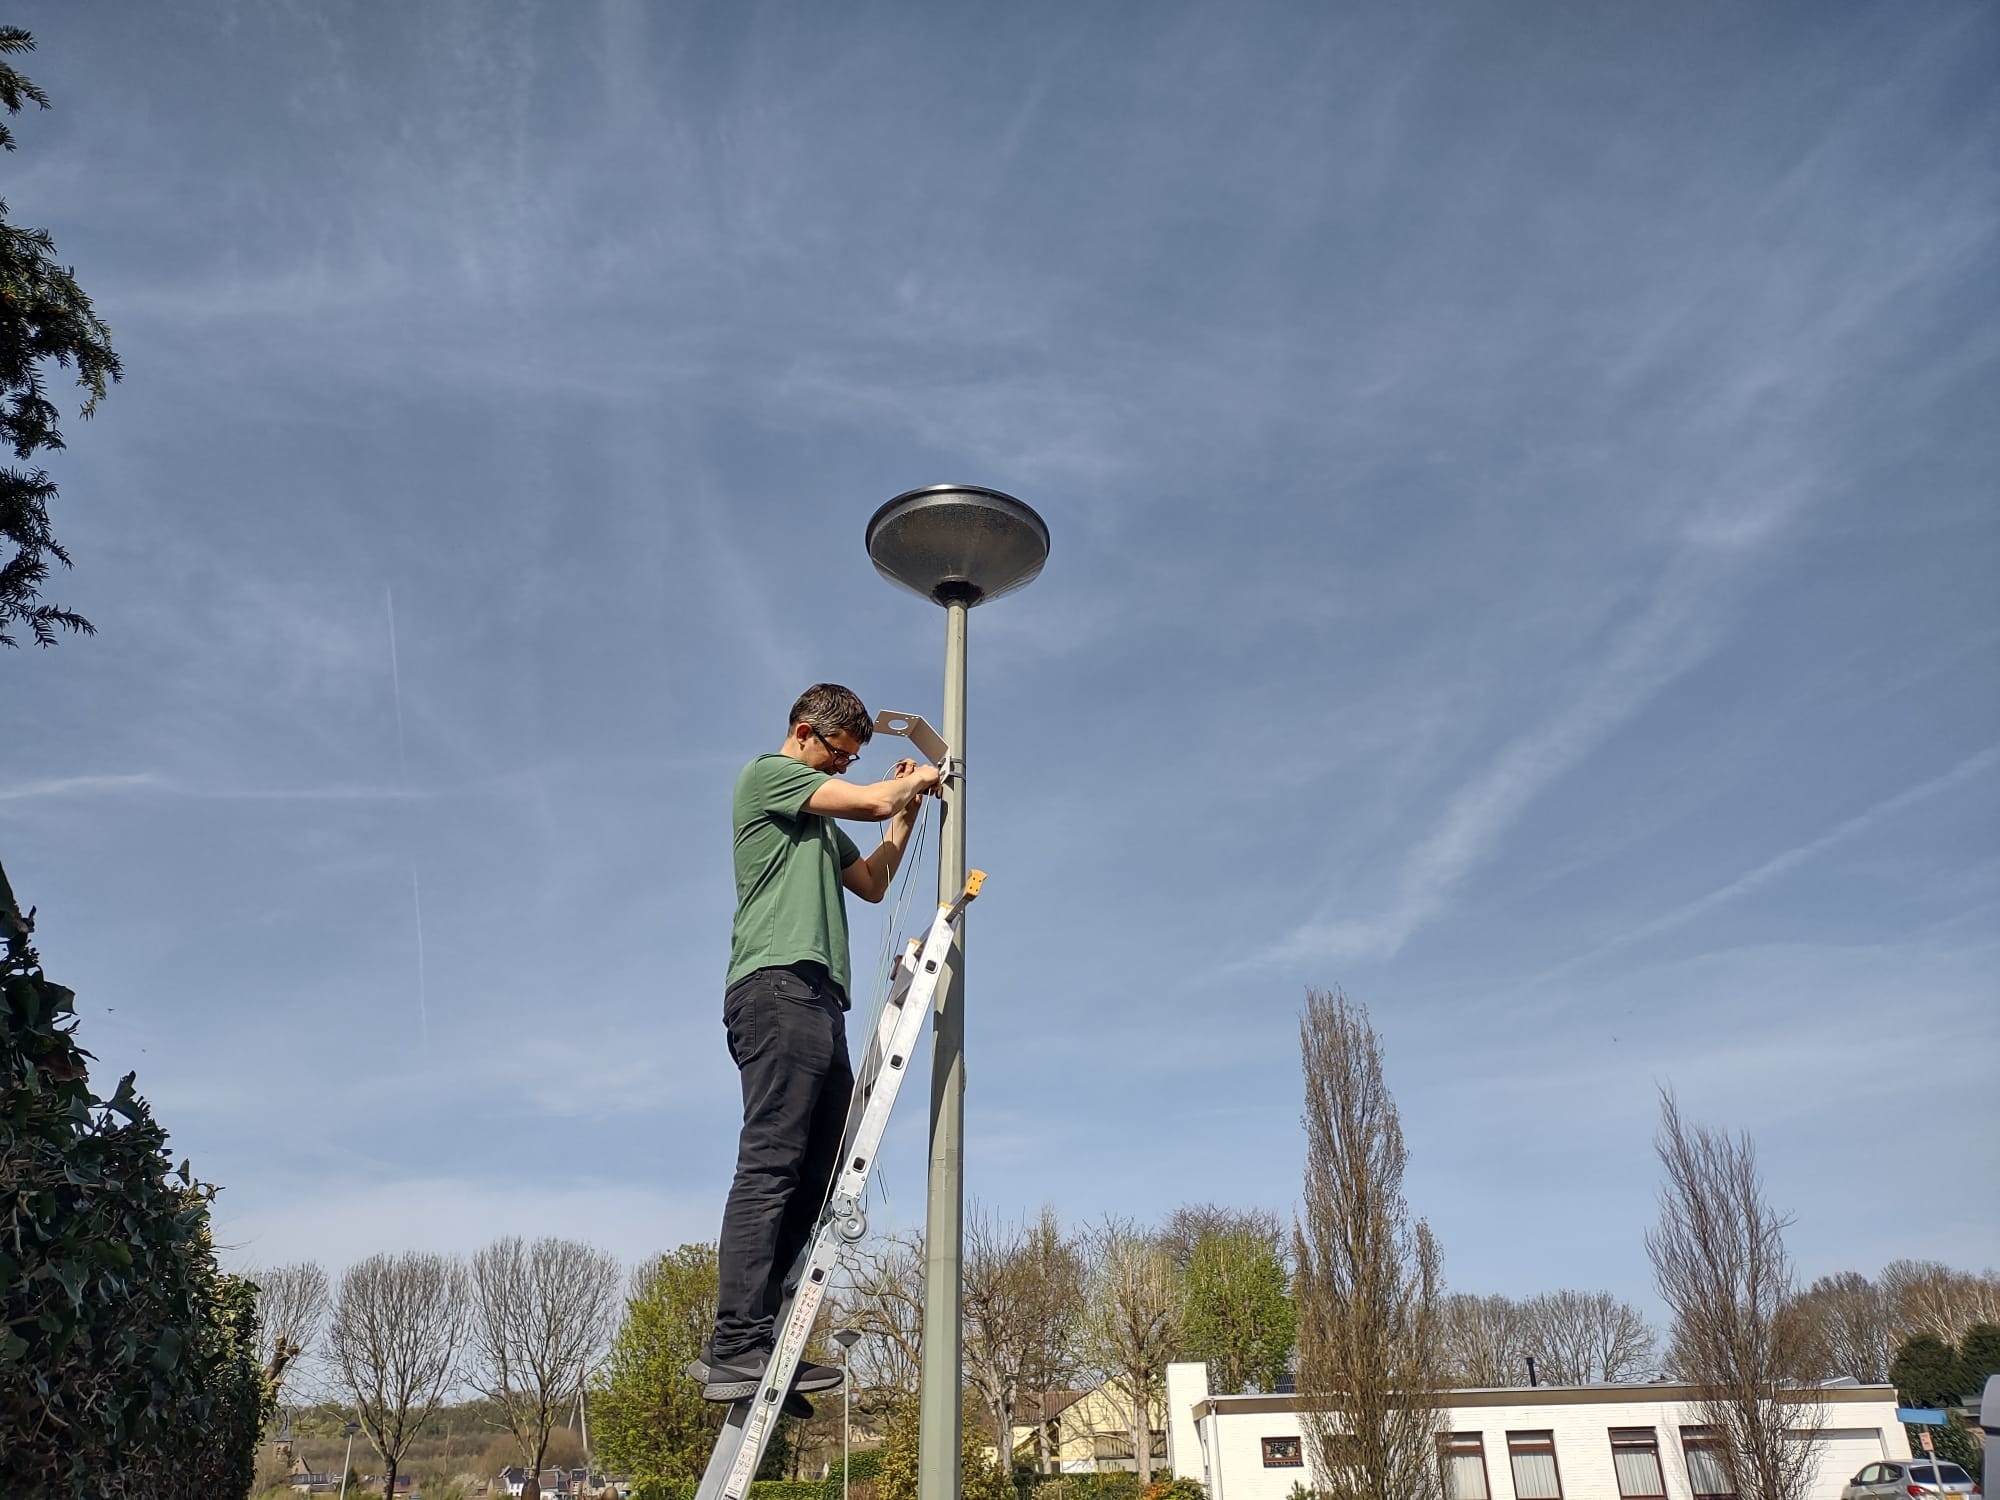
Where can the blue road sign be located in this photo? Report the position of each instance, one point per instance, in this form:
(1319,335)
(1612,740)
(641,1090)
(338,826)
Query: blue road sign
(1919,1416)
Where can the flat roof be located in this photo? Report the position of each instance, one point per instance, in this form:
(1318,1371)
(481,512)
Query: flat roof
(1537,1395)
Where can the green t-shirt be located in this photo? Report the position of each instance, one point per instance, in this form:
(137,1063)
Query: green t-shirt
(789,904)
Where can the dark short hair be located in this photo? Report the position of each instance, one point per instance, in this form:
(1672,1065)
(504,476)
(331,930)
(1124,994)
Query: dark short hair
(831,709)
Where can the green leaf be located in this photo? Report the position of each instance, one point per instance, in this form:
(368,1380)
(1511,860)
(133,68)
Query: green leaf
(167,1353)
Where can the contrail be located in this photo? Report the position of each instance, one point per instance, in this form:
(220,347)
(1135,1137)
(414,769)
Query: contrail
(396,683)
(423,996)
(403,764)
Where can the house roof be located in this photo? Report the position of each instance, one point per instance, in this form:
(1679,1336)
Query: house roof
(1051,1403)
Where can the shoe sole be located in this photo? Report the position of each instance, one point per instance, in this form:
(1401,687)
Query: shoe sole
(743,1388)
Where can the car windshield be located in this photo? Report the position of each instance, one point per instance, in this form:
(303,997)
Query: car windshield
(1925,1474)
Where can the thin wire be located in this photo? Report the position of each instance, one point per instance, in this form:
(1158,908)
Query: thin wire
(913,857)
(884,976)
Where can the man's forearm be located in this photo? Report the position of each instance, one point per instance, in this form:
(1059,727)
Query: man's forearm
(888,854)
(903,791)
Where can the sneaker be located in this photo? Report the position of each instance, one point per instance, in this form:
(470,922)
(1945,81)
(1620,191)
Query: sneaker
(737,1379)
(797,1406)
(729,1379)
(811,1377)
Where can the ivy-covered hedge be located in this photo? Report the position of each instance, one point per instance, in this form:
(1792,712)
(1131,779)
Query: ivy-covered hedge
(128,1368)
(1109,1486)
(863,1465)
(760,1489)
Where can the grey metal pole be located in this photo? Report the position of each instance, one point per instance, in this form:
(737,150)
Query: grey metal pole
(347,1467)
(940,1412)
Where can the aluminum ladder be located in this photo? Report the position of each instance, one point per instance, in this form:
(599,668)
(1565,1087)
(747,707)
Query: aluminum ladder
(843,1221)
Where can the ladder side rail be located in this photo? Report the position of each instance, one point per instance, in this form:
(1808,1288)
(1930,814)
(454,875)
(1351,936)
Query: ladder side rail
(870,1119)
(766,1405)
(870,1070)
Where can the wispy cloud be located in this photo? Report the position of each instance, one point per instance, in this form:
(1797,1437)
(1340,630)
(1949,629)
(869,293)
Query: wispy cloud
(153,783)
(1780,865)
(334,1220)
(83,786)
(1429,405)
(1678,627)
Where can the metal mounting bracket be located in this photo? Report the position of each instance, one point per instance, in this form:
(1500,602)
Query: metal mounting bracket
(912,727)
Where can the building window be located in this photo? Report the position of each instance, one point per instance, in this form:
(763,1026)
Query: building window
(1464,1457)
(1284,1453)
(1533,1455)
(1635,1454)
(1707,1476)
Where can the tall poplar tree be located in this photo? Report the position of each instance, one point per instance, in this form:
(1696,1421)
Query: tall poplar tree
(1719,1257)
(1371,1346)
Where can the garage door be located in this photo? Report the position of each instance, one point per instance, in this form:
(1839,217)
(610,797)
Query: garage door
(1843,1453)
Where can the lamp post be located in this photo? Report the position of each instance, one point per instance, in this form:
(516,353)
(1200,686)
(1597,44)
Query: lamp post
(958,545)
(347,1464)
(845,1337)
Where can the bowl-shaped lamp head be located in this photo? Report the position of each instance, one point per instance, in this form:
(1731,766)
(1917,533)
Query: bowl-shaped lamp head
(958,543)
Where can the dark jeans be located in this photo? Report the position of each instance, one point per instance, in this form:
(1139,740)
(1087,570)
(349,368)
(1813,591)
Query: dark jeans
(788,1034)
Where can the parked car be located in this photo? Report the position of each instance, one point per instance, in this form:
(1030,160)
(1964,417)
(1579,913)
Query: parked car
(1906,1478)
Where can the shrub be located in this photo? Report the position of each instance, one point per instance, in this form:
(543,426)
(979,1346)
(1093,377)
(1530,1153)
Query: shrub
(127,1359)
(788,1489)
(863,1464)
(1115,1486)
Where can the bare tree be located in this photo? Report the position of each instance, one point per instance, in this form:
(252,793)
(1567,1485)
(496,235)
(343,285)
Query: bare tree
(291,1306)
(994,1318)
(1484,1339)
(1719,1258)
(1132,1330)
(541,1315)
(1059,1267)
(1023,1303)
(1579,1338)
(1192,1223)
(883,1300)
(1370,1363)
(397,1324)
(1927,1296)
(1849,1321)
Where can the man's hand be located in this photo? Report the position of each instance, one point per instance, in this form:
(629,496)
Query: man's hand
(909,783)
(926,774)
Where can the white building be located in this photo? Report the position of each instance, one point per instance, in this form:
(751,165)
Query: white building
(1598,1442)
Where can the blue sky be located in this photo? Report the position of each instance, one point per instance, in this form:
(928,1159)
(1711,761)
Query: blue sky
(1522,488)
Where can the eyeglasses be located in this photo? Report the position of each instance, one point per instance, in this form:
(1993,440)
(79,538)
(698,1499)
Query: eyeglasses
(847,757)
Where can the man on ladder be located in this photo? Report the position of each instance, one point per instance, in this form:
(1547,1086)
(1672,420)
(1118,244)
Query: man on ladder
(784,1008)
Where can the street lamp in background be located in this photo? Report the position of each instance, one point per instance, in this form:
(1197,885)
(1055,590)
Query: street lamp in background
(958,545)
(347,1466)
(845,1337)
